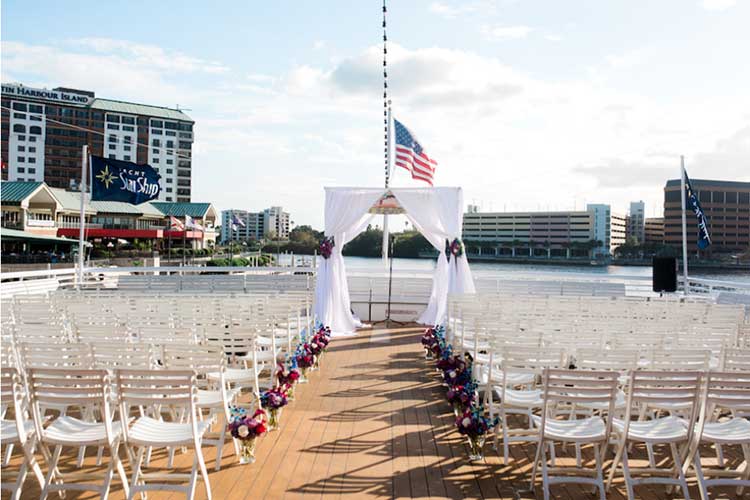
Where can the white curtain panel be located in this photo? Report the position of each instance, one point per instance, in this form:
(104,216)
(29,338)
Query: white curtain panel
(436,212)
(346,215)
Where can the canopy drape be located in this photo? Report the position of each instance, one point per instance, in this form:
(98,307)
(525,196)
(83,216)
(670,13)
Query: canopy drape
(436,212)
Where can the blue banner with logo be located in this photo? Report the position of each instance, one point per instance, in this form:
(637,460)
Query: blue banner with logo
(117,180)
(704,238)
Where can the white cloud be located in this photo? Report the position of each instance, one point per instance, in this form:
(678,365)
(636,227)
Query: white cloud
(718,5)
(505,32)
(319,44)
(501,133)
(553,38)
(629,59)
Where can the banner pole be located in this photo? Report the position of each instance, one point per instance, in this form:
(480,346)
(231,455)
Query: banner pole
(685,285)
(82,221)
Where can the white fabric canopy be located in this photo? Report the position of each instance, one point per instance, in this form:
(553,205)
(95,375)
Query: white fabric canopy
(436,212)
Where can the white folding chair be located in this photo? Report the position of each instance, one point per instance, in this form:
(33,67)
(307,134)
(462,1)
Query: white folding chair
(726,394)
(84,388)
(154,390)
(18,431)
(657,389)
(564,388)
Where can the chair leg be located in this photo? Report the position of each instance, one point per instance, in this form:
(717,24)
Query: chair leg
(51,474)
(700,477)
(545,475)
(599,473)
(746,472)
(30,460)
(626,473)
(8,454)
(120,469)
(193,479)
(536,463)
(136,472)
(615,464)
(678,466)
(204,472)
(18,486)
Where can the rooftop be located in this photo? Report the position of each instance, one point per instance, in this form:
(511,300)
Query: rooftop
(14,192)
(139,109)
(711,183)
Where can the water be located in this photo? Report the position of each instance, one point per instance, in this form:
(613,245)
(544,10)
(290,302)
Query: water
(495,269)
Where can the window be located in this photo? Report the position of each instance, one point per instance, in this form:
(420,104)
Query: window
(126,148)
(20,179)
(21,170)
(36,108)
(19,106)
(31,139)
(155,151)
(18,128)
(156,143)
(170,144)
(97,115)
(113,146)
(35,118)
(21,149)
(187,145)
(81,113)
(156,132)
(112,157)
(128,139)
(112,126)
(20,116)
(169,198)
(21,159)
(113,118)
(169,190)
(112,138)
(157,124)
(32,170)
(32,149)
(744,198)
(169,181)
(170,133)
(127,157)
(129,120)
(32,159)
(128,128)
(169,162)
(169,171)
(170,125)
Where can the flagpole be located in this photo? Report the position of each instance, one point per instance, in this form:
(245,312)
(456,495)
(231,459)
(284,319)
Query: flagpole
(684,229)
(82,221)
(388,128)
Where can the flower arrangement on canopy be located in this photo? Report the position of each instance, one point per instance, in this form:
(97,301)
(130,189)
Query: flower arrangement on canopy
(326,247)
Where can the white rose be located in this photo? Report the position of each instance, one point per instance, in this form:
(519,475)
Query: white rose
(466,422)
(243,431)
(452,374)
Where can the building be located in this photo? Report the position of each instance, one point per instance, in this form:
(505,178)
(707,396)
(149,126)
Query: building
(35,209)
(563,234)
(609,228)
(272,221)
(43,132)
(253,229)
(727,208)
(654,230)
(636,222)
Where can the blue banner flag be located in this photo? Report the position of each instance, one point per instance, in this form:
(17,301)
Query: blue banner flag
(704,238)
(117,180)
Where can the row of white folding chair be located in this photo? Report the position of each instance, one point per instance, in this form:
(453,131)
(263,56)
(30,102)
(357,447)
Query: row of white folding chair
(563,389)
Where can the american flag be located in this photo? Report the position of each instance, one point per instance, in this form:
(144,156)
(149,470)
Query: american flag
(411,156)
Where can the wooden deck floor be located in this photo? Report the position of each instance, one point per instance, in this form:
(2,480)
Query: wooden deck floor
(372,423)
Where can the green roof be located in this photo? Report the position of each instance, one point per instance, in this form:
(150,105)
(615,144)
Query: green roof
(139,109)
(180,209)
(71,200)
(14,192)
(14,234)
(120,207)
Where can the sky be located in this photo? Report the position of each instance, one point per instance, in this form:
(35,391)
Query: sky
(527,105)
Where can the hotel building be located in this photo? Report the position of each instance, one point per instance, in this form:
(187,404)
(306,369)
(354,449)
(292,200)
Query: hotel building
(544,234)
(43,132)
(271,221)
(637,221)
(727,208)
(654,230)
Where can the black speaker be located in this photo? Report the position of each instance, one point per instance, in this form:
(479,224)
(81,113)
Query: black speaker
(664,274)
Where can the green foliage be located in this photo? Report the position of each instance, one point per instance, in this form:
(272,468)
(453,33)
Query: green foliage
(368,243)
(239,262)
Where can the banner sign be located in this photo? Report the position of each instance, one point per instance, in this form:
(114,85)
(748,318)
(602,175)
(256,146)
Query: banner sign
(704,239)
(117,180)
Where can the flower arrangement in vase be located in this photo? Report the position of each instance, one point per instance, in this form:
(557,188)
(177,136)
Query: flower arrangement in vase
(461,397)
(288,379)
(305,360)
(273,400)
(475,426)
(246,428)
